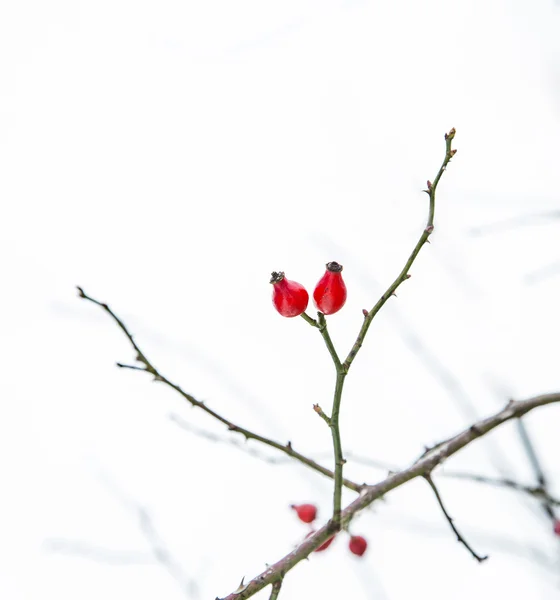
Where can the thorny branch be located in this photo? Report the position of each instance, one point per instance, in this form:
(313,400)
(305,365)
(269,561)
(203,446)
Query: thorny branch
(535,491)
(148,367)
(421,468)
(343,368)
(404,274)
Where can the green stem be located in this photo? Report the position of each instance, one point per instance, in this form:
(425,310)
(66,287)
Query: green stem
(403,275)
(338,457)
(328,342)
(333,421)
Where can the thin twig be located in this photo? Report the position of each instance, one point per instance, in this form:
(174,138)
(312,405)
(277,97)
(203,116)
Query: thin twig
(403,275)
(535,463)
(420,468)
(152,370)
(460,538)
(536,491)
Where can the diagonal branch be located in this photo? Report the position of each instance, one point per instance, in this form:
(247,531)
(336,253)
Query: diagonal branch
(504,482)
(148,367)
(422,467)
(460,538)
(404,275)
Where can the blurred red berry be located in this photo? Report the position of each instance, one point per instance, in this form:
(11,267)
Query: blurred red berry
(357,545)
(324,545)
(289,298)
(556,526)
(305,512)
(330,292)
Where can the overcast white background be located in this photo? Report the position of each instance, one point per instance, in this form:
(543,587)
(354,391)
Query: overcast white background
(167,157)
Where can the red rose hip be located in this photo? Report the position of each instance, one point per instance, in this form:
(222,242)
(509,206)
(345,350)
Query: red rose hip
(556,527)
(324,545)
(289,298)
(305,512)
(330,292)
(357,545)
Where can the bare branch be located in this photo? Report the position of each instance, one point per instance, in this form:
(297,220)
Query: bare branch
(535,463)
(152,370)
(422,467)
(404,275)
(460,538)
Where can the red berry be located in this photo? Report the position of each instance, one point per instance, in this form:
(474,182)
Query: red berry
(357,545)
(324,545)
(306,512)
(556,526)
(289,298)
(330,292)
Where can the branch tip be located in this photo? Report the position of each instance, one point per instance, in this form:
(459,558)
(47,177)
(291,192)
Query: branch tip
(460,538)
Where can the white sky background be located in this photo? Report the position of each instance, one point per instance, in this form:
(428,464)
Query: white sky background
(166,157)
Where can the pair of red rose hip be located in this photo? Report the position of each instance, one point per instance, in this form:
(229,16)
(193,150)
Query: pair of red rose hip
(308,513)
(291,299)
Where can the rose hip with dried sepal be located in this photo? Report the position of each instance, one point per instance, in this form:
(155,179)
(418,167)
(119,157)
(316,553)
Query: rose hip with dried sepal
(289,297)
(306,512)
(357,545)
(330,292)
